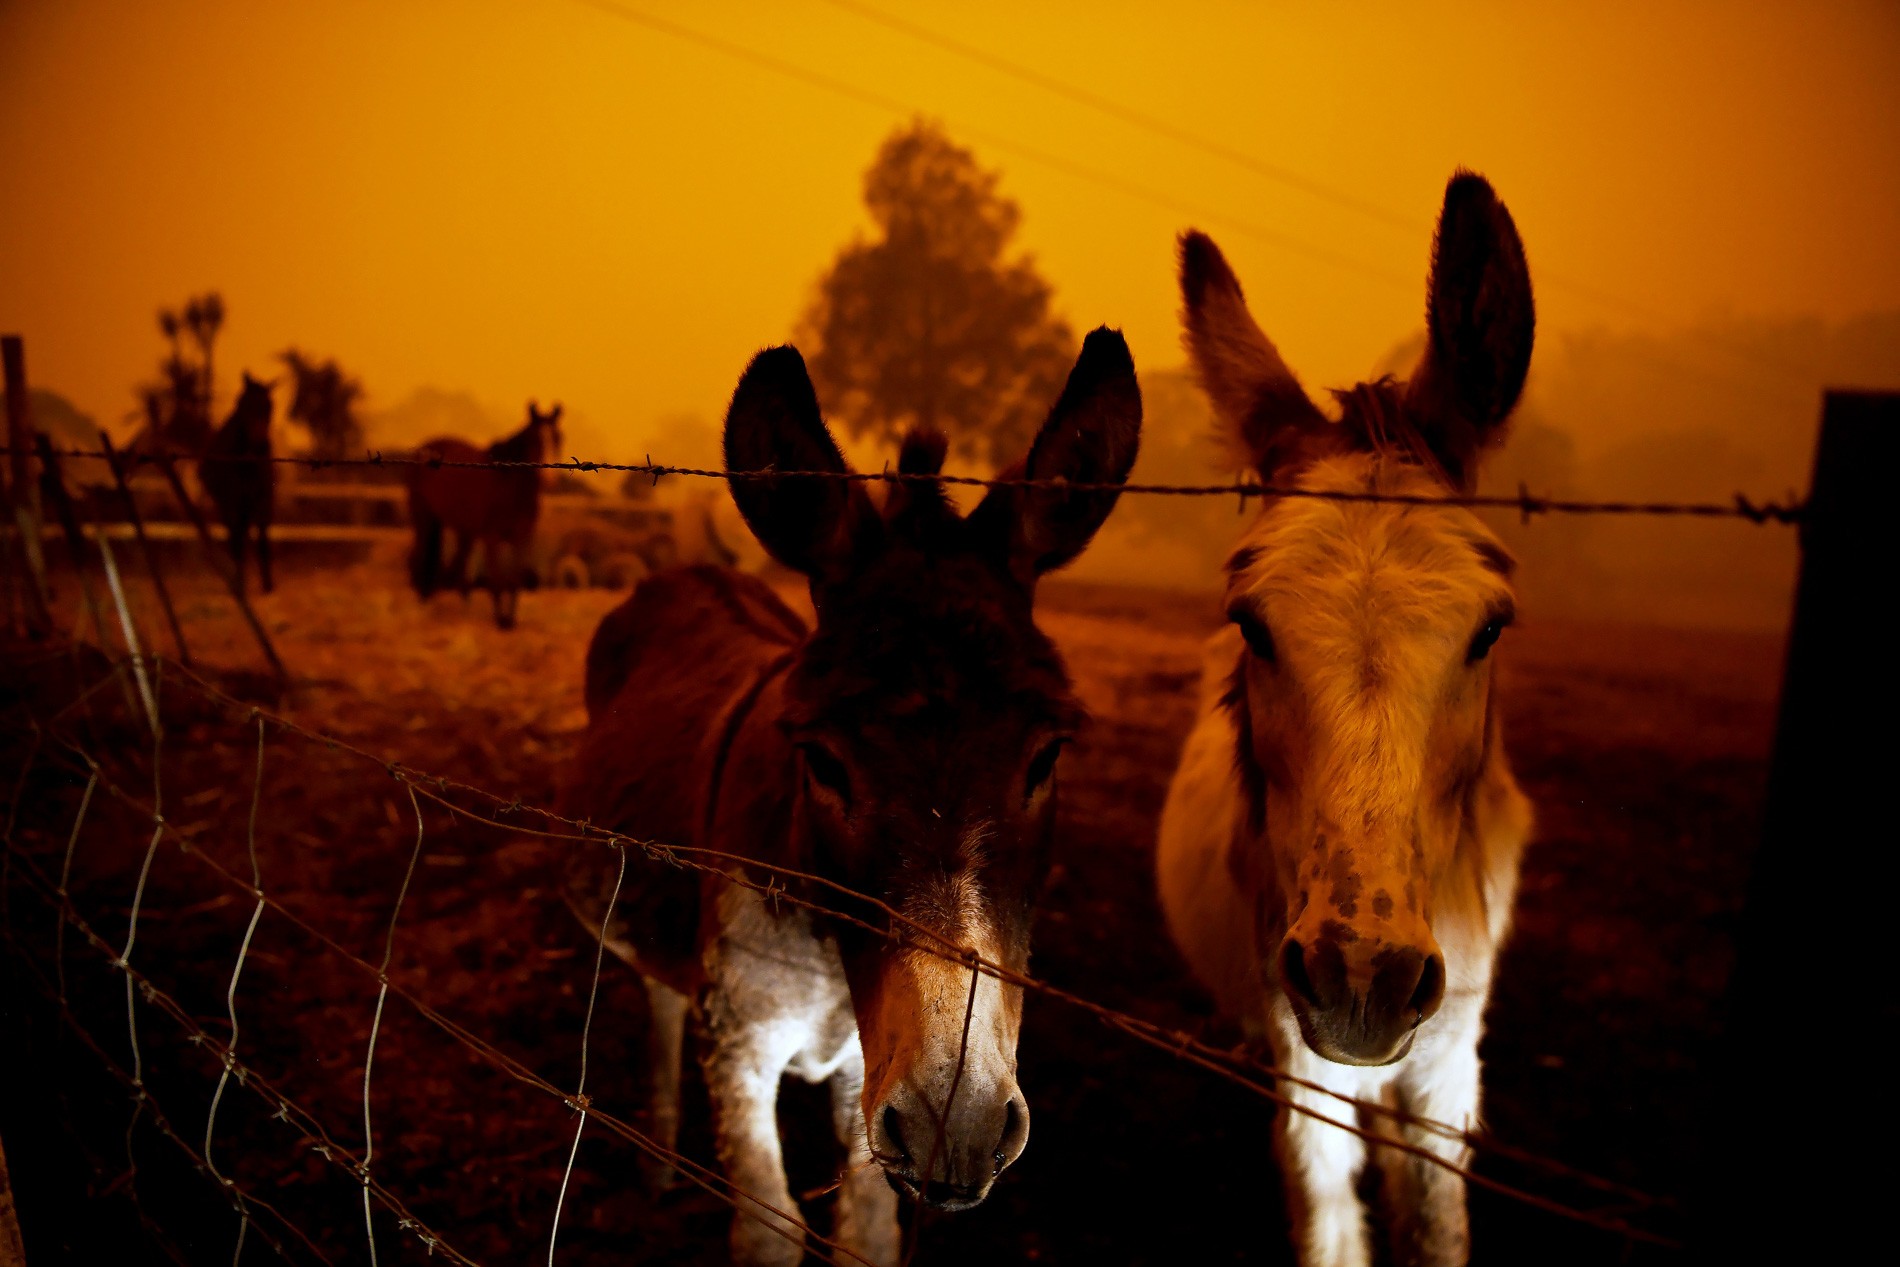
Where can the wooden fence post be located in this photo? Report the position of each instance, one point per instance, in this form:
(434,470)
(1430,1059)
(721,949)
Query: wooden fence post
(53,492)
(12,1252)
(217,563)
(22,495)
(117,462)
(1800,1140)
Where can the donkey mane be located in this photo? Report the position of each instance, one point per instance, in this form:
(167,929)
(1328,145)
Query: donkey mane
(523,446)
(1374,418)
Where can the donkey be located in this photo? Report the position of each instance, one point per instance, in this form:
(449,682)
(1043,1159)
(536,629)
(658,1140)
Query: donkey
(905,749)
(497,508)
(1340,845)
(236,470)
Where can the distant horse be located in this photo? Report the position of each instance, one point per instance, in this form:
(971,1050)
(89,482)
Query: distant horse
(906,749)
(496,506)
(236,470)
(1340,846)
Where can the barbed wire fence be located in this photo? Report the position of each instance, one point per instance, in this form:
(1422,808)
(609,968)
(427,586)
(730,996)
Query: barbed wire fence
(1528,505)
(57,746)
(60,747)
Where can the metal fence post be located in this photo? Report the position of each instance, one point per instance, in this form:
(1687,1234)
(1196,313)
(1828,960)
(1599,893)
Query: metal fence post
(1802,1160)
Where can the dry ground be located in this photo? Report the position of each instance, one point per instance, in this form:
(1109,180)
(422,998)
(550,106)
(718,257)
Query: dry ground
(1645,750)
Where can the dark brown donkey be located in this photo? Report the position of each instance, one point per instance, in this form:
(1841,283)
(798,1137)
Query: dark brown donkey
(236,470)
(496,506)
(904,748)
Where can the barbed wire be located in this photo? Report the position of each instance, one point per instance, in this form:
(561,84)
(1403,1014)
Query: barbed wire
(1524,502)
(743,1202)
(285,1108)
(162,1122)
(1239,1067)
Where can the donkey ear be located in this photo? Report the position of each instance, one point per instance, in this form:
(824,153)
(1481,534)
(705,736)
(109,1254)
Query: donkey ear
(1481,322)
(553,414)
(1090,437)
(773,424)
(1261,407)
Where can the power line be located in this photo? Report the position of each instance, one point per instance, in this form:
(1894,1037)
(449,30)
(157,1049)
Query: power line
(1005,144)
(1147,122)
(1280,175)
(1166,201)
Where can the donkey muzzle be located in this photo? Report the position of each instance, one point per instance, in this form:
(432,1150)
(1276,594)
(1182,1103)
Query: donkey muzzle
(1360,1002)
(949,1161)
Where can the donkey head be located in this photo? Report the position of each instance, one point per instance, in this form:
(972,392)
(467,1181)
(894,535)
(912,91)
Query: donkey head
(1361,690)
(928,713)
(254,407)
(544,433)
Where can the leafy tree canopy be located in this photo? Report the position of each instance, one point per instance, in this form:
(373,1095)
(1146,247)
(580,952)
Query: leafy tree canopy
(323,401)
(930,322)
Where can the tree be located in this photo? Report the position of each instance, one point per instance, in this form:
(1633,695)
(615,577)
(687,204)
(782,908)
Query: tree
(204,318)
(323,402)
(927,323)
(176,409)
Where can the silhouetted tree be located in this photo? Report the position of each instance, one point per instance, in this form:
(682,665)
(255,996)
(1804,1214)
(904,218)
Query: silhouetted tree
(928,323)
(323,402)
(204,318)
(176,409)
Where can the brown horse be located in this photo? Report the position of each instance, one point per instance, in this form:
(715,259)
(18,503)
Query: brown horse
(1339,850)
(237,472)
(905,748)
(496,507)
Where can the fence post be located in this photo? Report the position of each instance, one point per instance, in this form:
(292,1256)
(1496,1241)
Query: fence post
(1802,1117)
(22,495)
(12,1253)
(117,463)
(215,561)
(53,492)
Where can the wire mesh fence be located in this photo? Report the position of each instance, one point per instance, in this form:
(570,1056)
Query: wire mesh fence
(385,1215)
(161,697)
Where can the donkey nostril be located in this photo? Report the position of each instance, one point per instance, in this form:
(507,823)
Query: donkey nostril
(893,1131)
(1431,989)
(1293,972)
(1015,1135)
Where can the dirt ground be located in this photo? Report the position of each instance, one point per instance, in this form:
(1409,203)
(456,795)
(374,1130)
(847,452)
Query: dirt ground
(1645,750)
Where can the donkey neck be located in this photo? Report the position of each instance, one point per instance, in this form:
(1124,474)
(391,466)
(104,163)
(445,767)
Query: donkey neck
(247,430)
(750,740)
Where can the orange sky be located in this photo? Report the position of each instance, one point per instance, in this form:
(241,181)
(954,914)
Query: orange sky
(538,197)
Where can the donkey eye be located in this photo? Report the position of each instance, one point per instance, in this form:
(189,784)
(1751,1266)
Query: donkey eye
(1042,767)
(1486,638)
(1254,630)
(827,771)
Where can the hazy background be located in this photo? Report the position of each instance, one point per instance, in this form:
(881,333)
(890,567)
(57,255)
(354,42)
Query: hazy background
(471,203)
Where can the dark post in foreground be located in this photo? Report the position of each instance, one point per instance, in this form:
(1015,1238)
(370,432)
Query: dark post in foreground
(34,602)
(218,564)
(117,463)
(1799,1149)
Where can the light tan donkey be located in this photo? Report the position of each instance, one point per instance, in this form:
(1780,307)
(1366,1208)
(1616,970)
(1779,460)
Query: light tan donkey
(1339,851)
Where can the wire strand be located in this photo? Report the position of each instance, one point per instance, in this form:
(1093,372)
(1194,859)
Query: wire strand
(1524,502)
